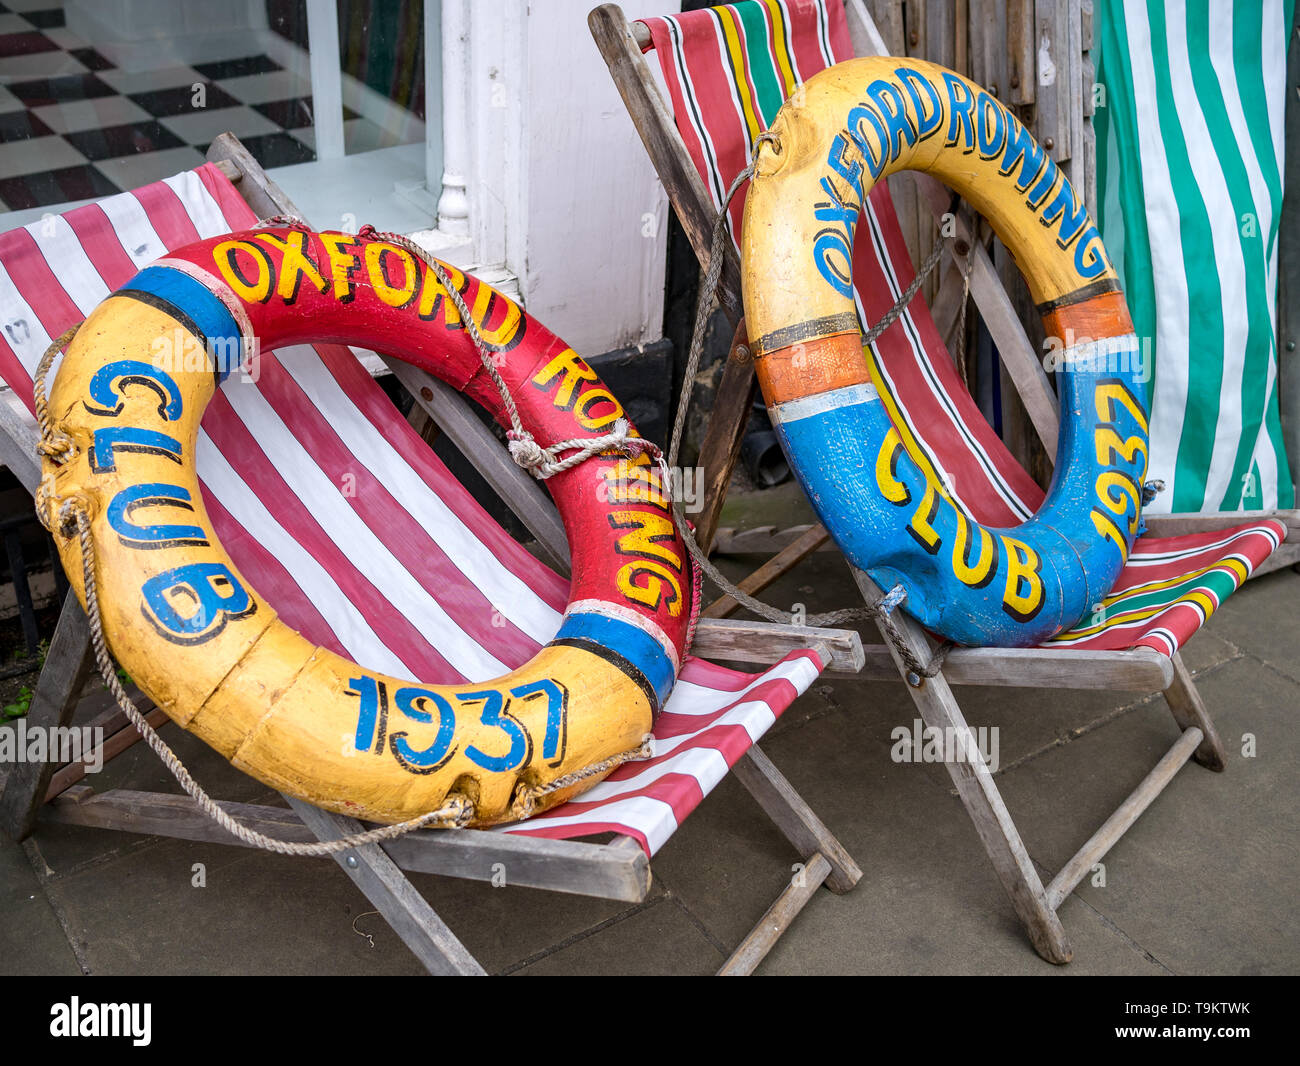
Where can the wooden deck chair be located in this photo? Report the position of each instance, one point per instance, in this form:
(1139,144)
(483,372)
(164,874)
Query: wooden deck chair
(727,70)
(356,571)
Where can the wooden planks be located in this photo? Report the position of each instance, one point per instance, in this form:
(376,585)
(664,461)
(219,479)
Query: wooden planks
(67,666)
(114,744)
(394,896)
(795,818)
(720,448)
(979,794)
(733,640)
(601,870)
(1123,818)
(787,558)
(763,937)
(1135,670)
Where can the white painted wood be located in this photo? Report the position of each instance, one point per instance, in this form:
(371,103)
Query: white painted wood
(326,78)
(594,215)
(453,203)
(433,105)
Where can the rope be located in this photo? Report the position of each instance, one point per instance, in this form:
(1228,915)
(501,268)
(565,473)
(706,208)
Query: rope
(525,802)
(881,611)
(961,319)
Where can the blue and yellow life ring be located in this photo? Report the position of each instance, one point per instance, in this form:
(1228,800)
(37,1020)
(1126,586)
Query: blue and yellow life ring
(851,126)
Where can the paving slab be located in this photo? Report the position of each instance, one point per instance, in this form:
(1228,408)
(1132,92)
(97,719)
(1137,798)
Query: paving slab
(31,937)
(1264,617)
(1205,880)
(658,940)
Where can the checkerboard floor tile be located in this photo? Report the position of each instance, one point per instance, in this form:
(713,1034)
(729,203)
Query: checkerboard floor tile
(73,126)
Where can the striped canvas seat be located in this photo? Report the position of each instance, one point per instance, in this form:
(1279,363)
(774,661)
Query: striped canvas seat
(353,530)
(727,71)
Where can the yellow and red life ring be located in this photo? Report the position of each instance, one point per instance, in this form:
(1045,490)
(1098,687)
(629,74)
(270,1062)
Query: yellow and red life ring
(201,643)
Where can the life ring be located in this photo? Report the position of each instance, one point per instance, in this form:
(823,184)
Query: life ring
(849,127)
(200,641)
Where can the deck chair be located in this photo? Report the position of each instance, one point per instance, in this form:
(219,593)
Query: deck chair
(352,572)
(726,71)
(1216,433)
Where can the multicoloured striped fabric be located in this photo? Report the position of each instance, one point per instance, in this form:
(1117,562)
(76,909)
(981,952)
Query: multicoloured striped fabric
(1189,177)
(352,529)
(722,68)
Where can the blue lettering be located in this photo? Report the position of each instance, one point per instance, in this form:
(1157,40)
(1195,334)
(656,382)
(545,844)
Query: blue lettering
(557,715)
(926,121)
(110,439)
(150,494)
(211,587)
(411,702)
(497,715)
(833,256)
(106,388)
(960,105)
(889,100)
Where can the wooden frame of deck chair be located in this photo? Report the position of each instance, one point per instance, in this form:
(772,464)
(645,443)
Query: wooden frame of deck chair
(616,870)
(1157,667)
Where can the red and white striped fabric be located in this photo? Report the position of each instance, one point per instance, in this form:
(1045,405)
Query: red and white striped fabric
(727,70)
(352,529)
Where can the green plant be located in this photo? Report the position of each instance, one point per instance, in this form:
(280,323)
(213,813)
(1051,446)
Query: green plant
(20,706)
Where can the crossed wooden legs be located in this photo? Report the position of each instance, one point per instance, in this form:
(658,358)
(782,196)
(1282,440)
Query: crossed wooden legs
(1036,905)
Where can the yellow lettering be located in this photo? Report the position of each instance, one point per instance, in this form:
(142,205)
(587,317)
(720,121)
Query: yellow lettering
(919,525)
(634,482)
(1111,393)
(589,399)
(647,533)
(981,573)
(650,583)
(572,371)
(1024,594)
(1121,495)
(295,264)
(887,469)
(1109,444)
(1106,526)
(433,298)
(256,289)
(392,295)
(343,263)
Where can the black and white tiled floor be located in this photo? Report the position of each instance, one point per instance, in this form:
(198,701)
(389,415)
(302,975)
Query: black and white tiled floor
(73,126)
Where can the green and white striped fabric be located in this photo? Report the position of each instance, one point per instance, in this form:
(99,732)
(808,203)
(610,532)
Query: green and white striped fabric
(1189,175)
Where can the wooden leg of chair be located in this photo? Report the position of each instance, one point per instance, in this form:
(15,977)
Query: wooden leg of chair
(393,895)
(979,794)
(67,667)
(763,937)
(795,818)
(1189,710)
(721,445)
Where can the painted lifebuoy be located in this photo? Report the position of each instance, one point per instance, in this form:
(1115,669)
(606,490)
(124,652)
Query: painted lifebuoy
(202,643)
(849,127)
